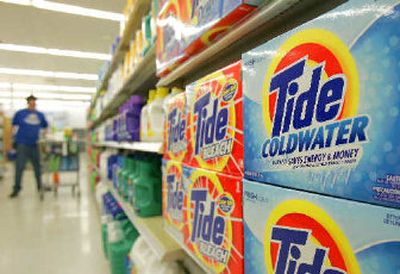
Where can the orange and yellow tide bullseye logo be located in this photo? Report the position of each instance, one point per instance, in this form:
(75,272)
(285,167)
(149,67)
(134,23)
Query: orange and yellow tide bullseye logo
(213,120)
(300,237)
(313,77)
(209,229)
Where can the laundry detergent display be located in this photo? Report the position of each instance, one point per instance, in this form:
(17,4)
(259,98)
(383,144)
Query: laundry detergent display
(176,129)
(321,105)
(173,198)
(213,227)
(288,231)
(216,121)
(185,28)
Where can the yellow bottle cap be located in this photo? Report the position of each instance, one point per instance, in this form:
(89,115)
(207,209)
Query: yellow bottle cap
(152,95)
(176,90)
(162,92)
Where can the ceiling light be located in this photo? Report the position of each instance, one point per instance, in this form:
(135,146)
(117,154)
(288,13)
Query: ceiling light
(55,52)
(51,74)
(35,87)
(71,9)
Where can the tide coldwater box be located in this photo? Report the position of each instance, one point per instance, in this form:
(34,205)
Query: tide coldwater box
(216,121)
(290,231)
(322,105)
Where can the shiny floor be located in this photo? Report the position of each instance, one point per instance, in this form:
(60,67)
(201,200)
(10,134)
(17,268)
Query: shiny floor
(59,235)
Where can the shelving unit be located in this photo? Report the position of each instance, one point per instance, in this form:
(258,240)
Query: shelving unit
(153,232)
(153,147)
(140,9)
(195,259)
(266,23)
(142,79)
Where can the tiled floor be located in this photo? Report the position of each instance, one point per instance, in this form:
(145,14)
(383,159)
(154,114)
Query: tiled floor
(59,235)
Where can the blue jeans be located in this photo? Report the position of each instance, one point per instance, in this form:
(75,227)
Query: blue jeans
(25,153)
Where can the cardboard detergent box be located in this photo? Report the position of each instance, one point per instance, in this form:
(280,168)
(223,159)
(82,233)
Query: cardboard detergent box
(321,105)
(216,121)
(213,225)
(289,231)
(187,27)
(210,19)
(170,43)
(173,195)
(176,129)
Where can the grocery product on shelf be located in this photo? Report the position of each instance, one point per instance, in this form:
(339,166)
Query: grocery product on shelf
(146,262)
(174,91)
(186,28)
(146,32)
(134,107)
(156,116)
(321,114)
(147,187)
(173,194)
(215,121)
(212,218)
(120,240)
(176,129)
(289,231)
(144,117)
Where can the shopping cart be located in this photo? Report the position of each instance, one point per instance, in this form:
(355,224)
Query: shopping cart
(57,158)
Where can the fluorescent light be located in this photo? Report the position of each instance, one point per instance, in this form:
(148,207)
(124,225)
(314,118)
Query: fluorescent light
(70,9)
(51,74)
(55,52)
(35,87)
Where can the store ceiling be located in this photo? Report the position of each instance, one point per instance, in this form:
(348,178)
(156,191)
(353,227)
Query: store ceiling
(27,25)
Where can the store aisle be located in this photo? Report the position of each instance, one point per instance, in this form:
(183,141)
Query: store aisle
(60,235)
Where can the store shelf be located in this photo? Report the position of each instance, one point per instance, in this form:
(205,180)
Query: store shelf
(172,234)
(166,248)
(265,24)
(140,9)
(140,81)
(155,147)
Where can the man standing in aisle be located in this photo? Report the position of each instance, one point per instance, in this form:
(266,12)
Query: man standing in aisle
(28,122)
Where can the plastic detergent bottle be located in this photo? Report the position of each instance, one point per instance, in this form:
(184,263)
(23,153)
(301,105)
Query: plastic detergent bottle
(147,188)
(156,116)
(144,117)
(123,176)
(132,120)
(174,91)
(132,176)
(121,173)
(142,255)
(130,166)
(120,243)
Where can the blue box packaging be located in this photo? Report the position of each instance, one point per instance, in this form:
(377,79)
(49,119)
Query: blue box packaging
(295,232)
(322,105)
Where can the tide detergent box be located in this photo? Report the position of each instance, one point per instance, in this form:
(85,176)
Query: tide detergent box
(187,27)
(210,19)
(322,105)
(289,231)
(213,230)
(176,129)
(215,121)
(173,195)
(170,42)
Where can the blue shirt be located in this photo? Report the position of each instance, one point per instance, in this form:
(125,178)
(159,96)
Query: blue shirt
(29,123)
